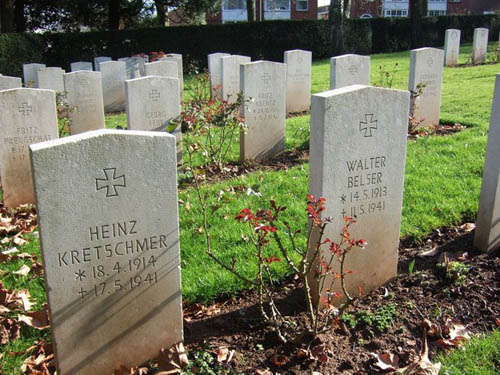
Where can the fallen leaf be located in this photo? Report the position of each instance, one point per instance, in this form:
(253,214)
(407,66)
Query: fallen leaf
(263,372)
(23,271)
(19,241)
(386,361)
(36,319)
(222,354)
(429,253)
(172,360)
(25,297)
(279,359)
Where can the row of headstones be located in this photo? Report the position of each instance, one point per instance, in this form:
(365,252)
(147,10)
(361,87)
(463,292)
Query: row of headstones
(113,73)
(29,116)
(452,46)
(153,101)
(112,265)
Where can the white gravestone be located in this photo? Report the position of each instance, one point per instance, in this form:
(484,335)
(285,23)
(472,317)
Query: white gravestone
(487,236)
(135,66)
(84,96)
(480,46)
(451,47)
(28,116)
(426,68)
(298,80)
(30,74)
(51,78)
(230,76)
(357,162)
(81,65)
(263,84)
(152,102)
(109,233)
(349,70)
(98,60)
(7,82)
(177,58)
(214,68)
(113,76)
(161,69)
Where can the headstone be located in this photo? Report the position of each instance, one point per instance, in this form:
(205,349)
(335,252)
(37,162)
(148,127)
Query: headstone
(152,102)
(215,70)
(51,78)
(30,74)
(7,82)
(177,58)
(426,68)
(349,70)
(113,75)
(84,96)
(357,162)
(161,69)
(298,80)
(98,60)
(451,47)
(81,65)
(480,46)
(107,205)
(28,116)
(135,66)
(487,235)
(263,84)
(230,76)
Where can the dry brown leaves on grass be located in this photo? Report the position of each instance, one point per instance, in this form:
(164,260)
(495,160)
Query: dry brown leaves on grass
(14,222)
(42,360)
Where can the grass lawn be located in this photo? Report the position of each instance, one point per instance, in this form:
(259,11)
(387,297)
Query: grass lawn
(443,179)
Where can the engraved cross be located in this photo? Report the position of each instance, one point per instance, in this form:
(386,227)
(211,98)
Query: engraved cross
(265,78)
(110,183)
(154,95)
(25,109)
(368,125)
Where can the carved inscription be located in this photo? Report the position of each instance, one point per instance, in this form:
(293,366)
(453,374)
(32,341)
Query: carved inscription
(25,109)
(265,107)
(431,84)
(18,145)
(368,125)
(110,182)
(366,191)
(116,259)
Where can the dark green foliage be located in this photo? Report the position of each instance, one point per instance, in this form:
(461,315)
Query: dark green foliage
(260,40)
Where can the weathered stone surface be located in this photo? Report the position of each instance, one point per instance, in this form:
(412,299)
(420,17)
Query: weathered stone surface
(98,60)
(215,70)
(113,76)
(7,82)
(298,80)
(357,162)
(451,47)
(349,70)
(177,58)
(152,102)
(81,65)
(263,84)
(230,76)
(51,78)
(480,46)
(426,67)
(107,205)
(84,96)
(487,235)
(30,74)
(162,69)
(28,116)
(135,66)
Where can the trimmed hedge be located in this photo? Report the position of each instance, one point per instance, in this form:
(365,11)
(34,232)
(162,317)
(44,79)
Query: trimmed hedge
(260,40)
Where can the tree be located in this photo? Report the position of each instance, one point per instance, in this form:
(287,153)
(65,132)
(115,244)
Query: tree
(418,10)
(337,16)
(250,10)
(7,11)
(160,12)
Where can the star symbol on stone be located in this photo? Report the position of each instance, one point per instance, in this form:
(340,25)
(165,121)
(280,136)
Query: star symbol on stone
(80,275)
(343,198)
